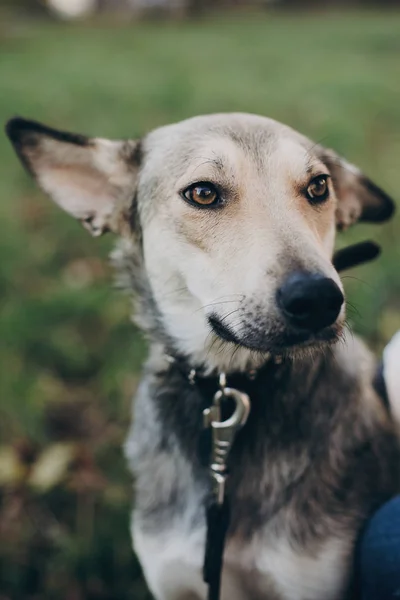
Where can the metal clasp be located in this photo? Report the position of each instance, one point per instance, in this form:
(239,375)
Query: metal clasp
(224,432)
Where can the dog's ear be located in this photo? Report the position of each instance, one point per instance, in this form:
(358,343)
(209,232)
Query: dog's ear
(359,199)
(91,178)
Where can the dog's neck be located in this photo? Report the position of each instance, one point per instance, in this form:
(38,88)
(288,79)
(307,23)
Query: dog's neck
(282,397)
(225,358)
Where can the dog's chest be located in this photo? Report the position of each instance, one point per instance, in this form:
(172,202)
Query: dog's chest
(294,515)
(268,564)
(265,567)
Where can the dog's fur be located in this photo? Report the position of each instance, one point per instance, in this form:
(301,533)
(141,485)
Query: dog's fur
(320,451)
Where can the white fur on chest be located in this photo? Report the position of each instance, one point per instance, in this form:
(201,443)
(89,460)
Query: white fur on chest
(265,568)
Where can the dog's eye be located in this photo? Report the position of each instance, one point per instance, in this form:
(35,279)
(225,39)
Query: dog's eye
(202,194)
(318,189)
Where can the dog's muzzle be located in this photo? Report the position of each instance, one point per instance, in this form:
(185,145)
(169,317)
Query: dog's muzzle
(306,311)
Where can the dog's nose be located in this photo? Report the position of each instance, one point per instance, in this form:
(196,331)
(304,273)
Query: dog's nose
(310,301)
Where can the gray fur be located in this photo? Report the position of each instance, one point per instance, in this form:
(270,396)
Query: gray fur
(316,458)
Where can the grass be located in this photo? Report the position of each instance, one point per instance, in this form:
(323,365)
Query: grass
(69,358)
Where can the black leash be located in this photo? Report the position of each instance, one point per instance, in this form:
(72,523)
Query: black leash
(217,520)
(224,431)
(223,436)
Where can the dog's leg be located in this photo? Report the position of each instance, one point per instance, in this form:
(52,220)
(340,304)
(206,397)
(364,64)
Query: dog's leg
(391,373)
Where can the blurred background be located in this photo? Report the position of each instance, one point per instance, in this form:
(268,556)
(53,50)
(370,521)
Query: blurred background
(69,357)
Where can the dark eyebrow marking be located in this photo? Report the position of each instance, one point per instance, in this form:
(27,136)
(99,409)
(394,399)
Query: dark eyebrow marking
(217,163)
(313,163)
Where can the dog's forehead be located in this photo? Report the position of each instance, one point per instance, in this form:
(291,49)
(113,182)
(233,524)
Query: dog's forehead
(219,138)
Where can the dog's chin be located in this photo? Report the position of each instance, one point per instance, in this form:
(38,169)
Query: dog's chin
(283,343)
(296,344)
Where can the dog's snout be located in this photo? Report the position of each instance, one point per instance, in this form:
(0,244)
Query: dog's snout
(310,301)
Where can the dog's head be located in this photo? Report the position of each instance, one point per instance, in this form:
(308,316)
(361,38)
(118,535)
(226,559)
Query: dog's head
(236,217)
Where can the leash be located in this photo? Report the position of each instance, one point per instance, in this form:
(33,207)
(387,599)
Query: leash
(218,509)
(224,431)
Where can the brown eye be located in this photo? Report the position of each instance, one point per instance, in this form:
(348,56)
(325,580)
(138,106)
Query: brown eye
(202,194)
(318,189)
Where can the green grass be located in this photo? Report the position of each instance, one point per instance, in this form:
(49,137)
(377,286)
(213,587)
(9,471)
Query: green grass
(69,358)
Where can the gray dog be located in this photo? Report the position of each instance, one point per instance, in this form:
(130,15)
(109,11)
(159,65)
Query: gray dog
(227,225)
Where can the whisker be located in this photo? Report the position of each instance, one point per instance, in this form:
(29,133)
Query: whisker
(229,314)
(177,291)
(349,329)
(220,301)
(214,304)
(367,283)
(353,308)
(235,351)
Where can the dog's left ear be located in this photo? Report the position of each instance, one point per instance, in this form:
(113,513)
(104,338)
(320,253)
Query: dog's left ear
(359,199)
(92,179)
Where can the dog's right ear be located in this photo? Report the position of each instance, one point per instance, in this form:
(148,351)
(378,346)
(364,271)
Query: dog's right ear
(359,198)
(92,179)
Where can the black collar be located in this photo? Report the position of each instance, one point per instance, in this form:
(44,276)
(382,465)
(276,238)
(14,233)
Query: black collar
(250,382)
(198,375)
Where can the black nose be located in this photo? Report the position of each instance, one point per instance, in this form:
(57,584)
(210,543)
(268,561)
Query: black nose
(310,301)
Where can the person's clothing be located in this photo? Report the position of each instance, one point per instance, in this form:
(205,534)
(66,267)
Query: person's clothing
(378,557)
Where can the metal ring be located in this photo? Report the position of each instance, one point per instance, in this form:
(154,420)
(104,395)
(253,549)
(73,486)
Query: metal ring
(241,412)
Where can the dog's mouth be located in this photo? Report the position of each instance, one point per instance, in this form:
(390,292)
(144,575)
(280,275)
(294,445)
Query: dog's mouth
(223,331)
(278,342)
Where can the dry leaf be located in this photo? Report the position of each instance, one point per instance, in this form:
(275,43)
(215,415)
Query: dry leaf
(51,466)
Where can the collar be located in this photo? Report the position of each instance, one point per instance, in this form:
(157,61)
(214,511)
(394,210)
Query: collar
(198,377)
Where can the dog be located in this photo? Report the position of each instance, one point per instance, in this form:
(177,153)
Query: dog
(227,225)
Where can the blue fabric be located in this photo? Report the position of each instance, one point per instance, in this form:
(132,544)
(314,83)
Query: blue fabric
(379,555)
